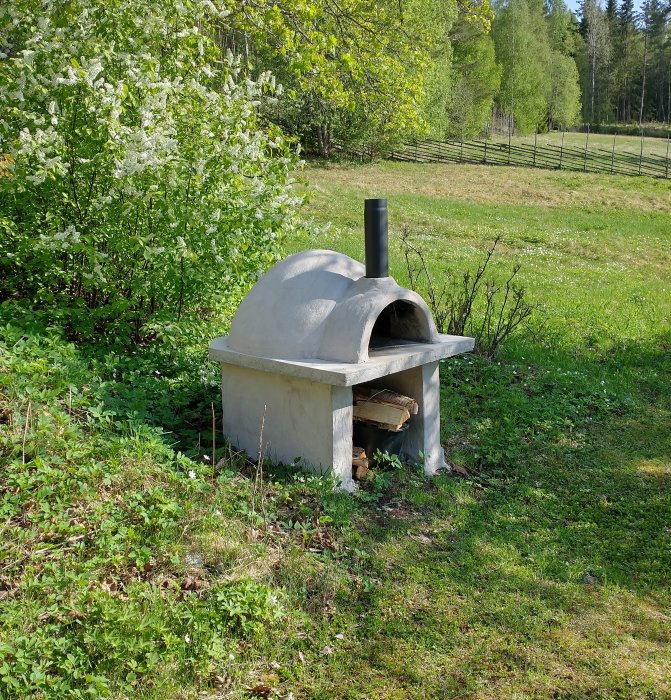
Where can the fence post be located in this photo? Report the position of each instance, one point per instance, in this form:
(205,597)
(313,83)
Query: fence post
(535,142)
(667,157)
(612,155)
(461,152)
(668,138)
(561,149)
(509,137)
(640,155)
(584,163)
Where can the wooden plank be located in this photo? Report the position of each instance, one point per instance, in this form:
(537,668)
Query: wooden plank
(360,465)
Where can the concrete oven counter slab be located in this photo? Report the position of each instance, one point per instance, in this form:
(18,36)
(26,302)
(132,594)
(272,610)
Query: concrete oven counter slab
(401,356)
(305,406)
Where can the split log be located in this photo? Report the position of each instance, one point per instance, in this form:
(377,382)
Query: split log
(359,463)
(359,457)
(360,472)
(381,414)
(386,396)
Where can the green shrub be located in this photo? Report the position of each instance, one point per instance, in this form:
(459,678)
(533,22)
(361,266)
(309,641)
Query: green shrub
(137,184)
(94,594)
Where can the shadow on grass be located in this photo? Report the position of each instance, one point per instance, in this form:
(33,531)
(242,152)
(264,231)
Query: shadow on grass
(570,459)
(565,453)
(551,563)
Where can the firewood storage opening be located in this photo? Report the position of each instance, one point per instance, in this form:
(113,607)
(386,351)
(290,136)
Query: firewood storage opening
(312,336)
(382,419)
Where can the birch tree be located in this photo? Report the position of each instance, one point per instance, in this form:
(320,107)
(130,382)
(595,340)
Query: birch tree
(597,51)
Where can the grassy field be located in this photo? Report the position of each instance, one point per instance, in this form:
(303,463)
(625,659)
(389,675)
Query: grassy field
(136,563)
(568,436)
(623,144)
(594,250)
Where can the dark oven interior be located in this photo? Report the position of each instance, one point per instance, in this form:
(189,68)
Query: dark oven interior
(400,323)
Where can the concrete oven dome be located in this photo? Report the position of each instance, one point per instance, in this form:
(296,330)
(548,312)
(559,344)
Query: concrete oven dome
(319,304)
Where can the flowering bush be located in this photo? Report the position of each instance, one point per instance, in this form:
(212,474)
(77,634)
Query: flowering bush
(137,183)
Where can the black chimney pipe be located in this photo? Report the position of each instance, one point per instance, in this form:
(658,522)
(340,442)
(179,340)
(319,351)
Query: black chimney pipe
(377,247)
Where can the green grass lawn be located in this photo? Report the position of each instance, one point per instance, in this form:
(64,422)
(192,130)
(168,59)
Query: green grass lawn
(133,564)
(568,437)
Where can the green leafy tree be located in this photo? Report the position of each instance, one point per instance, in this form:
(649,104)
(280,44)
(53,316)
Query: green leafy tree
(353,71)
(475,80)
(465,76)
(564,99)
(596,62)
(522,50)
(562,28)
(656,70)
(141,186)
(564,102)
(626,37)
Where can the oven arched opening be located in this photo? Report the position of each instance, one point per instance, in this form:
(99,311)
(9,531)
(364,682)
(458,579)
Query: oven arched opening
(400,323)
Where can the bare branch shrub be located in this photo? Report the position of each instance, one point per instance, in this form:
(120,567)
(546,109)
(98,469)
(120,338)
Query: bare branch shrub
(470,303)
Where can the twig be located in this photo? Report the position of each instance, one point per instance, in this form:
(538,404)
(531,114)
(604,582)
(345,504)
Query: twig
(214,439)
(453,301)
(258,461)
(258,477)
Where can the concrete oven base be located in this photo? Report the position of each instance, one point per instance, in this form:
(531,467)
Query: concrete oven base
(306,407)
(302,420)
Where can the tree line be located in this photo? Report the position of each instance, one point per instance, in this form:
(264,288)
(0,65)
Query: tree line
(626,61)
(379,73)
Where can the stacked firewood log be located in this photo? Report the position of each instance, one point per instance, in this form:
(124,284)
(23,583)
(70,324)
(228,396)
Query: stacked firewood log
(381,408)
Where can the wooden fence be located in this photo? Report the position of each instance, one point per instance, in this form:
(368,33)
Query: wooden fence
(589,160)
